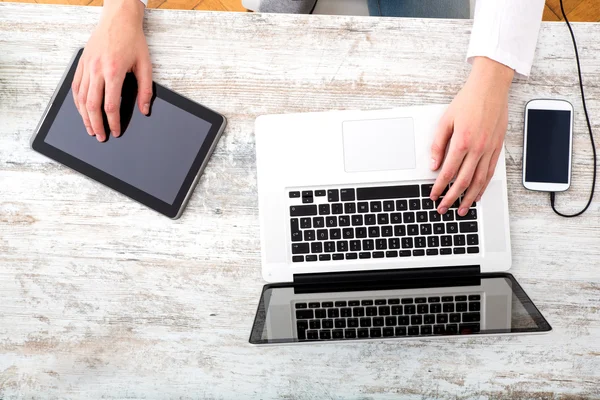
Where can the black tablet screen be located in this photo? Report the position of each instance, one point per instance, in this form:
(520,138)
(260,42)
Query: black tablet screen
(154,153)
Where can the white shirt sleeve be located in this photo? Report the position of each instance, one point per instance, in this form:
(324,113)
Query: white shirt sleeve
(145,2)
(506,31)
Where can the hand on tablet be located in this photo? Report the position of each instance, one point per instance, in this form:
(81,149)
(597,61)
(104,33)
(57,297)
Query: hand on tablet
(117,46)
(472,129)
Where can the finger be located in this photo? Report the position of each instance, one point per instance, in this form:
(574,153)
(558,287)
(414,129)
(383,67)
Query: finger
(112,102)
(443,134)
(490,173)
(462,182)
(76,83)
(454,159)
(94,106)
(81,100)
(477,184)
(143,74)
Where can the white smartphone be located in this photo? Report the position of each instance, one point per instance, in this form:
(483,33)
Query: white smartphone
(547,145)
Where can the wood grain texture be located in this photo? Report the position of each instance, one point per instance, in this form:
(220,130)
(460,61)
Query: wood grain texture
(101,297)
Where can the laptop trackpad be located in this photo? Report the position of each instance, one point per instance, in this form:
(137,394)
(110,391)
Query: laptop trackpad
(379,145)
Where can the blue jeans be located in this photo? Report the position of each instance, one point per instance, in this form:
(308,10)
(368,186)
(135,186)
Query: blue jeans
(420,8)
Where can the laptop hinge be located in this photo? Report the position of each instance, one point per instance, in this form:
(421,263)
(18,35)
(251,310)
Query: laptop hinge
(388,275)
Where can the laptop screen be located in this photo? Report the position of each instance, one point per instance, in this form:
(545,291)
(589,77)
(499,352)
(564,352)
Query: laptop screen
(487,304)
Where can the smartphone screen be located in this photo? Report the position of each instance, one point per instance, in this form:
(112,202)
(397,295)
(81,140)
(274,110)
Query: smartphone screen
(548,140)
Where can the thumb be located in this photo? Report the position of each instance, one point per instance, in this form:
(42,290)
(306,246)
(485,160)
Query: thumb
(143,74)
(443,133)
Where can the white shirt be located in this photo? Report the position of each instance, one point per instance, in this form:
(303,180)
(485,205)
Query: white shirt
(505,31)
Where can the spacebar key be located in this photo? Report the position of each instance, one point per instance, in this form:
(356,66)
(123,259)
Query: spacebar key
(300,211)
(387,192)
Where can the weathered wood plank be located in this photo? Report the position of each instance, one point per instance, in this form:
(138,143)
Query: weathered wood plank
(101,297)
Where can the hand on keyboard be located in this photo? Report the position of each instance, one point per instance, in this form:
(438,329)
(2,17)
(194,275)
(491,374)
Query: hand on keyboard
(473,130)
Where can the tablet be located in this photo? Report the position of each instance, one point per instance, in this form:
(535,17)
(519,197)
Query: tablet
(158,158)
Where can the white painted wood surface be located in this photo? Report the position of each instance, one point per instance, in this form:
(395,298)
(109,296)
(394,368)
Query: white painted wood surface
(100,297)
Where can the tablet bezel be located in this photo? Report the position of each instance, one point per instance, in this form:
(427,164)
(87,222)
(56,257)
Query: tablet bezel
(174,210)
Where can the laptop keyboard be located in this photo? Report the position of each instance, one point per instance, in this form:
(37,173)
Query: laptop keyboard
(377,222)
(393,317)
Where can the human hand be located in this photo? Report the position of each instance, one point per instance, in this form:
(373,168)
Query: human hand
(472,129)
(117,46)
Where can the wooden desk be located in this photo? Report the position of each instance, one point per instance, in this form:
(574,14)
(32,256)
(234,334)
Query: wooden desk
(101,297)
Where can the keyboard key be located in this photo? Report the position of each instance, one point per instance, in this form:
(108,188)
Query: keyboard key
(370,219)
(297,258)
(396,218)
(388,332)
(344,220)
(446,299)
(335,234)
(452,227)
(344,311)
(459,250)
(316,247)
(466,329)
(305,314)
(364,255)
(296,236)
(294,195)
(378,321)
(307,200)
(427,204)
(311,258)
(451,329)
(472,250)
(358,311)
(351,256)
(312,335)
(350,333)
(407,243)
(426,229)
(368,244)
(363,207)
(301,211)
(383,219)
(410,309)
(426,189)
(388,192)
(435,308)
(474,306)
(461,307)
(327,323)
(309,235)
(433,241)
(429,319)
(371,311)
(401,205)
(307,193)
(320,193)
(300,248)
(474,297)
(389,254)
(387,231)
(325,334)
(472,240)
(331,221)
(413,331)
(322,234)
(391,321)
(439,229)
(403,320)
(423,309)
(446,240)
(349,208)
(318,222)
(380,302)
(348,233)
(314,324)
(404,253)
(441,318)
(468,227)
(388,206)
(449,216)
(466,317)
(337,208)
(400,331)
(340,323)
(414,204)
(365,322)
(455,318)
(448,307)
(471,214)
(366,302)
(330,248)
(333,195)
(363,333)
(357,220)
(426,330)
(352,322)
(418,253)
(324,257)
(301,305)
(378,254)
(434,216)
(355,245)
(347,195)
(399,230)
(397,310)
(384,310)
(420,242)
(381,244)
(375,332)
(422,216)
(459,240)
(320,313)
(432,252)
(413,229)
(361,232)
(324,209)
(342,246)
(375,206)
(353,303)
(409,217)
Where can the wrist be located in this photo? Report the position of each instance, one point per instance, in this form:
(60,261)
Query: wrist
(492,73)
(129,9)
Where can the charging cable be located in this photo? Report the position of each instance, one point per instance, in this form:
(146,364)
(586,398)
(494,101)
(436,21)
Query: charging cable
(587,118)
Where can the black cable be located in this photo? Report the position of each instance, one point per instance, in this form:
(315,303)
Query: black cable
(587,118)
(314,6)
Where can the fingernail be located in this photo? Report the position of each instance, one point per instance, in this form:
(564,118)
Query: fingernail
(443,210)
(433,163)
(478,199)
(99,139)
(89,131)
(433,198)
(462,212)
(115,134)
(146,108)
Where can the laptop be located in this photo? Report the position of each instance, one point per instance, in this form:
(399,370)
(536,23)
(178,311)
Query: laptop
(354,249)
